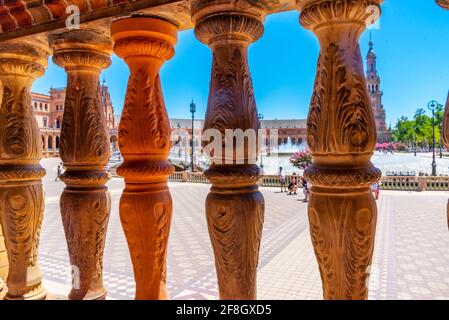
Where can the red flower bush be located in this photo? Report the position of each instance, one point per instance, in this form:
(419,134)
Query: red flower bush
(301,160)
(391,147)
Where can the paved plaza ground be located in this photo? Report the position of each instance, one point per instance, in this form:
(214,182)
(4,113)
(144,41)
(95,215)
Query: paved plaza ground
(411,258)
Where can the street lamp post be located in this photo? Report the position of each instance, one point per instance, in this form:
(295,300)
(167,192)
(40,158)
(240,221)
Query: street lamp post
(414,143)
(192,111)
(179,141)
(261,149)
(432,106)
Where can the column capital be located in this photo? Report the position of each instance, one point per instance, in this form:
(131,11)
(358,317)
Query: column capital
(81,49)
(23,58)
(316,14)
(228,21)
(203,8)
(144,36)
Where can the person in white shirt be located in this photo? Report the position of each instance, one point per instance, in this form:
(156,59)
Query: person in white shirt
(282,180)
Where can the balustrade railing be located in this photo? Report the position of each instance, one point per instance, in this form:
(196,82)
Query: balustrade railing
(341,136)
(401,183)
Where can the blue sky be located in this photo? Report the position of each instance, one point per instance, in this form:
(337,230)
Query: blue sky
(412,45)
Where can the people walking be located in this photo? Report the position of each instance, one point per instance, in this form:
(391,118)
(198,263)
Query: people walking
(282,180)
(293,185)
(58,172)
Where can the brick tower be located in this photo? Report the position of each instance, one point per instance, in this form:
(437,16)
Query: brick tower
(375,94)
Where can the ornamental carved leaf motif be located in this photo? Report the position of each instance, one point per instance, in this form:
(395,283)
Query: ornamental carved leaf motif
(126,118)
(159,126)
(68,128)
(22,209)
(340,118)
(102,210)
(231,102)
(144,118)
(321,245)
(255,210)
(354,114)
(83,131)
(342,231)
(147,234)
(19,133)
(162,216)
(235,230)
(314,118)
(93,124)
(359,243)
(85,224)
(224,235)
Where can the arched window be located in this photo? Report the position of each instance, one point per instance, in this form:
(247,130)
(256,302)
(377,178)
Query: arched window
(44,122)
(57,142)
(58,123)
(40,106)
(35,105)
(50,143)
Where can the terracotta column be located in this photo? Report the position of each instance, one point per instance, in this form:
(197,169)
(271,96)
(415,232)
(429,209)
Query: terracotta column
(234,207)
(341,135)
(3,263)
(84,150)
(21,194)
(446,135)
(144,140)
(445,4)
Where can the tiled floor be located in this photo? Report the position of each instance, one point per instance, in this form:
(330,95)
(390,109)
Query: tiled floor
(411,258)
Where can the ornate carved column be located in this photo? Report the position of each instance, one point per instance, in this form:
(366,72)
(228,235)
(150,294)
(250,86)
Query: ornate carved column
(3,263)
(445,4)
(446,136)
(84,150)
(234,207)
(21,194)
(144,140)
(341,135)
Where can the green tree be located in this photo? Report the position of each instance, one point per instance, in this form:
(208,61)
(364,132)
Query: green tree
(418,131)
(404,131)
